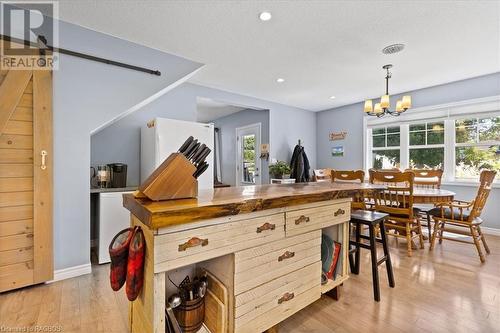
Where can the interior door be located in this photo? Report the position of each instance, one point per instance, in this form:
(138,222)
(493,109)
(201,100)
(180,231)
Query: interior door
(248,155)
(25,178)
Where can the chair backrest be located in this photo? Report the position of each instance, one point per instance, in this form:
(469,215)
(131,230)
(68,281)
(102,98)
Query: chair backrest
(372,171)
(427,178)
(397,199)
(352,176)
(322,175)
(485,181)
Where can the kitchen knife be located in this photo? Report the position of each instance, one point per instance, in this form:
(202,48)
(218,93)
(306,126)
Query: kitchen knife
(204,155)
(193,152)
(185,145)
(190,148)
(201,168)
(198,153)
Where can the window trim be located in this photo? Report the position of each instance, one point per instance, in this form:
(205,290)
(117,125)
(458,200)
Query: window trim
(448,113)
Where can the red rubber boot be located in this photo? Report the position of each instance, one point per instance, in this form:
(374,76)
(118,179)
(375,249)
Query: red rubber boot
(135,266)
(118,252)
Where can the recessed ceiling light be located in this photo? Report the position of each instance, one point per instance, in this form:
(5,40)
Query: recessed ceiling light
(280,80)
(332,97)
(265,16)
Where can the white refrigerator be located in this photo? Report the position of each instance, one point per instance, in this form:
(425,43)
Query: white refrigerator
(162,137)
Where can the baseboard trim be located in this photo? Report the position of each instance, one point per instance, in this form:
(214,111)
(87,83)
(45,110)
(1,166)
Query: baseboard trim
(491,231)
(71,272)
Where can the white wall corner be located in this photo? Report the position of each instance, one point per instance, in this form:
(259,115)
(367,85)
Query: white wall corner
(71,272)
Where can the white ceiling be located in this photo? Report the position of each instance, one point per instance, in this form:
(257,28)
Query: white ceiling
(321,48)
(208,110)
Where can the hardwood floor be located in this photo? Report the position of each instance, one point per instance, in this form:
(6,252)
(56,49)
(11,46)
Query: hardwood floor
(447,290)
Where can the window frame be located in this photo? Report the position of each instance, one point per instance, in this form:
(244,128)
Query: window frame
(426,145)
(386,147)
(447,113)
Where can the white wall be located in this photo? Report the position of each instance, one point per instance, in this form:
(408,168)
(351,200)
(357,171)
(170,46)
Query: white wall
(349,118)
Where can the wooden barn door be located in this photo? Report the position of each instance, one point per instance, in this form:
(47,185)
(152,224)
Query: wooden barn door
(25,178)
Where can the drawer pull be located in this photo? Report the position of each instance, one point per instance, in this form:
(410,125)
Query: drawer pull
(286,297)
(339,211)
(286,255)
(266,226)
(195,241)
(301,219)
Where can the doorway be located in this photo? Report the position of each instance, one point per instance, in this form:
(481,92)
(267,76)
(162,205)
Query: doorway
(248,167)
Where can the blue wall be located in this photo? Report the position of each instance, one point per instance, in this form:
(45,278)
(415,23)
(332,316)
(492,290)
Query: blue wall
(349,118)
(228,127)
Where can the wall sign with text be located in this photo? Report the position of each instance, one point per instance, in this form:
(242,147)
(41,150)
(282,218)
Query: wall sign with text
(334,136)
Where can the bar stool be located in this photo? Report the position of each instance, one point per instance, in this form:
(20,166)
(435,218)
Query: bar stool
(370,219)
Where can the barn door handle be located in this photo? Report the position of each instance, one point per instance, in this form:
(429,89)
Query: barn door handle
(44,154)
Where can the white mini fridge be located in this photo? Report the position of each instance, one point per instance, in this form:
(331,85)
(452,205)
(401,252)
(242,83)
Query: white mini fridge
(162,137)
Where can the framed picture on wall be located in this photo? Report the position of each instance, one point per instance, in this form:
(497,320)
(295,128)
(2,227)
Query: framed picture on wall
(338,151)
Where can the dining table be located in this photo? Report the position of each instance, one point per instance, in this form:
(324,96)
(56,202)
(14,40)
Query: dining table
(432,196)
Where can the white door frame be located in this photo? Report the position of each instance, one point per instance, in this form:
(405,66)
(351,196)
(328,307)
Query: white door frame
(258,178)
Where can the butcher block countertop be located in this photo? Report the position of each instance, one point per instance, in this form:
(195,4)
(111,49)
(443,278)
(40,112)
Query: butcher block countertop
(229,201)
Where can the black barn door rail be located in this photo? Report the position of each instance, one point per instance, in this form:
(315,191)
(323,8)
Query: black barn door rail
(42,44)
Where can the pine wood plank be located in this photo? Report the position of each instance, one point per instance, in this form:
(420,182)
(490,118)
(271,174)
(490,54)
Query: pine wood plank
(23,114)
(16,242)
(16,199)
(16,213)
(26,100)
(16,256)
(16,156)
(11,94)
(10,141)
(43,169)
(16,276)
(18,227)
(16,184)
(16,170)
(17,127)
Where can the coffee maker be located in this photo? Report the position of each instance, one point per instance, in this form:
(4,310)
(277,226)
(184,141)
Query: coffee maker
(118,173)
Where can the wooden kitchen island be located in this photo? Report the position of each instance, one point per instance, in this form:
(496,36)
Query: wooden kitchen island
(262,242)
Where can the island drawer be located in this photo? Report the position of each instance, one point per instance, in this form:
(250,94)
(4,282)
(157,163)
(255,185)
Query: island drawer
(258,309)
(264,263)
(186,247)
(315,218)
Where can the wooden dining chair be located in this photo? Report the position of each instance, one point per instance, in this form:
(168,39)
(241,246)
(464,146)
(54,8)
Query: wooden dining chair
(397,201)
(427,179)
(322,175)
(352,176)
(464,217)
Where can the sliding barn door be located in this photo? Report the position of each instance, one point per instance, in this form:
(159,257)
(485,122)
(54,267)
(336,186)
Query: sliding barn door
(25,178)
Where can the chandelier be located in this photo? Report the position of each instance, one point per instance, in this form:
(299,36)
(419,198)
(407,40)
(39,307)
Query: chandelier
(383,108)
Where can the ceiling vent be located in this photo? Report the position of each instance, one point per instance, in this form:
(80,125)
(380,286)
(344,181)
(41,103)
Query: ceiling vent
(394,48)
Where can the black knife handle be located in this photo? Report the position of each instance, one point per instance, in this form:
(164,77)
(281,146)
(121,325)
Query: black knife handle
(185,145)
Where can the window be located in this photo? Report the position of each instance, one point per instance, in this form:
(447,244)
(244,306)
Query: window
(385,147)
(477,146)
(426,141)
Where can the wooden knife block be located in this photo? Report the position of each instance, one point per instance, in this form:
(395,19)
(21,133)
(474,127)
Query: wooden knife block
(173,179)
